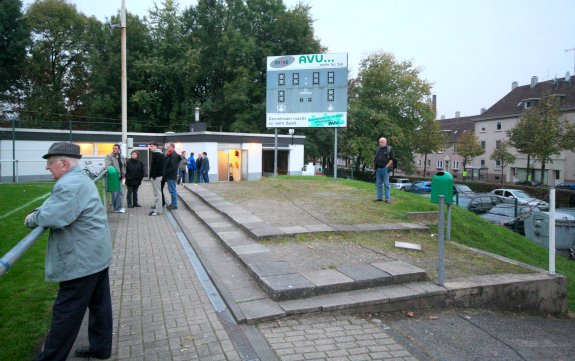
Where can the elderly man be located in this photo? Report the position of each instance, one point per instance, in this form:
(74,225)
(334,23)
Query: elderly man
(78,255)
(383,161)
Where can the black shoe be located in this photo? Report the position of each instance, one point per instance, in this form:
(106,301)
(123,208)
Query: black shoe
(130,206)
(377,200)
(137,205)
(85,352)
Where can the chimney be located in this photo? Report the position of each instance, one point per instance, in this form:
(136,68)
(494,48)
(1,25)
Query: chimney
(434,103)
(442,117)
(514,85)
(567,76)
(482,111)
(533,81)
(457,114)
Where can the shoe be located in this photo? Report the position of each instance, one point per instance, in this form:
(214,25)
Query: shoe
(85,352)
(153,213)
(153,207)
(130,206)
(387,201)
(121,210)
(170,207)
(137,205)
(377,200)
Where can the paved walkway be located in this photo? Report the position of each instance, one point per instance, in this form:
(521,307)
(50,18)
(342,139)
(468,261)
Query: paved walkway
(162,312)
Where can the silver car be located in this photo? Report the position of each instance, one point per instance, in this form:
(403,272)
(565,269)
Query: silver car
(400,183)
(523,199)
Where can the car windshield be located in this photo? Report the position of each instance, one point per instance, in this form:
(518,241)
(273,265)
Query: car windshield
(521,194)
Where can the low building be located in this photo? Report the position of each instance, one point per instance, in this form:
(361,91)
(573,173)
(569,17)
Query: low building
(233,156)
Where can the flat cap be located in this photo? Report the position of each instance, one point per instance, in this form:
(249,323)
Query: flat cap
(64,149)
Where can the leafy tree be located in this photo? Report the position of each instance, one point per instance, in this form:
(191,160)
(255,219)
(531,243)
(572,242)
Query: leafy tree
(503,156)
(468,147)
(56,72)
(428,139)
(545,132)
(13,42)
(386,99)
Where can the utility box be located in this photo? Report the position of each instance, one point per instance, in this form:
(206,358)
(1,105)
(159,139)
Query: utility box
(442,185)
(112,180)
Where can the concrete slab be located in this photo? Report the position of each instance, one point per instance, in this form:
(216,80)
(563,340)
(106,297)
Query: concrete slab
(247,294)
(319,228)
(366,275)
(249,249)
(330,280)
(401,272)
(268,256)
(293,229)
(274,268)
(235,238)
(261,310)
(266,232)
(286,287)
(345,227)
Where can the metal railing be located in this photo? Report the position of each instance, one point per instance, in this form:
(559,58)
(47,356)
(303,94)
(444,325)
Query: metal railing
(8,260)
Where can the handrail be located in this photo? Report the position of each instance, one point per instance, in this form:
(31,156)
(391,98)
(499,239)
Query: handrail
(13,255)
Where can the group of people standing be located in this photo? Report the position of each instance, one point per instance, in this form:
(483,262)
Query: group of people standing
(191,166)
(169,168)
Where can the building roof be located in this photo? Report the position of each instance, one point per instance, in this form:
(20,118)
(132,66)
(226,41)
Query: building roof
(456,127)
(513,104)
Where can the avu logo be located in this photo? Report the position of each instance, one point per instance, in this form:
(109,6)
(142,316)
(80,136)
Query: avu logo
(282,62)
(310,59)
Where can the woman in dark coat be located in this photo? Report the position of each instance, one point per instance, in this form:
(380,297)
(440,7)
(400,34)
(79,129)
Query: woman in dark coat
(134,176)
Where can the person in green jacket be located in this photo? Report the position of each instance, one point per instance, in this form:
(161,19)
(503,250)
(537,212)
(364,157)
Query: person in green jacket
(78,256)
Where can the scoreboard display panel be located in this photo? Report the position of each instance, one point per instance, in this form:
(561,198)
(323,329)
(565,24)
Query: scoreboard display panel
(306,91)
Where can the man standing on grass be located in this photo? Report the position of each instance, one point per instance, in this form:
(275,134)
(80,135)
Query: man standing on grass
(383,162)
(78,255)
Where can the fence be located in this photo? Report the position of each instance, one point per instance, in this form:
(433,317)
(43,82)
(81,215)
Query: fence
(16,171)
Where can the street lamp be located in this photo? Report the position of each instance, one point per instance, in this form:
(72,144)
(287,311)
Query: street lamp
(124,81)
(291,131)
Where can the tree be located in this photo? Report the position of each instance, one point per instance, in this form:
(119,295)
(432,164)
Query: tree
(468,147)
(543,132)
(428,139)
(13,42)
(386,99)
(56,71)
(503,156)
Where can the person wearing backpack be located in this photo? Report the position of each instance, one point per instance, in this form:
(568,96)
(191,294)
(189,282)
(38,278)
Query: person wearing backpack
(383,165)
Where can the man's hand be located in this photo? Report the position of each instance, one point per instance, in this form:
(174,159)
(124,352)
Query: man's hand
(29,216)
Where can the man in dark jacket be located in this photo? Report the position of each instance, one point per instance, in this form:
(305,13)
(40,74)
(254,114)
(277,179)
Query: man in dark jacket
(205,169)
(199,167)
(134,176)
(382,167)
(171,163)
(156,171)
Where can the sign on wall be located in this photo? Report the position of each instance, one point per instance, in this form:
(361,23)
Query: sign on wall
(306,91)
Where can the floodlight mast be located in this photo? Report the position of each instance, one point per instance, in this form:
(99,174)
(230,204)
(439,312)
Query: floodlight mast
(573,50)
(124,81)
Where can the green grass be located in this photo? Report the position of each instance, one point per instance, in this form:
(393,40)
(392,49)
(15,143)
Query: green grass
(26,297)
(25,309)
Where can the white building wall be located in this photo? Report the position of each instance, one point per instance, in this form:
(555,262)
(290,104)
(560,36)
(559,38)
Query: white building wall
(296,157)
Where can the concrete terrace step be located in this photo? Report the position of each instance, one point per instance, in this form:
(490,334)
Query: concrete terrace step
(276,277)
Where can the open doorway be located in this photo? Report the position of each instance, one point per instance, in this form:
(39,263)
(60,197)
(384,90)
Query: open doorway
(229,165)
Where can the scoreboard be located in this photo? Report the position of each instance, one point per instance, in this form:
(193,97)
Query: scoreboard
(306,91)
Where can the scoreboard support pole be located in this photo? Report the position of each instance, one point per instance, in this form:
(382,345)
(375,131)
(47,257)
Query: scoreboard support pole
(335,156)
(276,153)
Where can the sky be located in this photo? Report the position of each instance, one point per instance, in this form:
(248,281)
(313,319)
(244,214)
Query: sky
(469,50)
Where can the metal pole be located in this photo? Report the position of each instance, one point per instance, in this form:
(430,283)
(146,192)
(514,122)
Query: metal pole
(14,150)
(552,231)
(335,156)
(18,250)
(448,222)
(124,81)
(70,126)
(441,244)
(276,153)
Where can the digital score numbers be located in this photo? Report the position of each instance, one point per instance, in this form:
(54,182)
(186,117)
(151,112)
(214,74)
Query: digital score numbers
(306,91)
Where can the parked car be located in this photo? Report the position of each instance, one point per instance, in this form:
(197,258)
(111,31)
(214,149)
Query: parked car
(572,200)
(461,188)
(420,187)
(569,186)
(504,215)
(400,183)
(478,202)
(523,199)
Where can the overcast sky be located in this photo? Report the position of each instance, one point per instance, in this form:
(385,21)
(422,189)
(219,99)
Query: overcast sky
(470,50)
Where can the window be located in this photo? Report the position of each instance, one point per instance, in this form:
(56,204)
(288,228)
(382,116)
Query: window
(455,149)
(455,164)
(429,162)
(483,144)
(498,127)
(497,164)
(482,130)
(497,144)
(482,162)
(419,162)
(439,164)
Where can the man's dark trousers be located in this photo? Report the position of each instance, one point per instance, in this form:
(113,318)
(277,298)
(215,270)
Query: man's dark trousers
(73,298)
